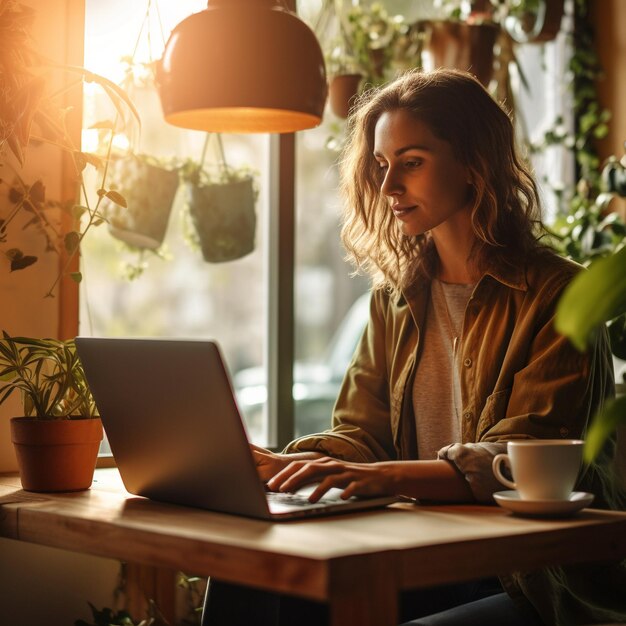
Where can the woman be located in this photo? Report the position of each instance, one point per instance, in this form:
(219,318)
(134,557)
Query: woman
(460,354)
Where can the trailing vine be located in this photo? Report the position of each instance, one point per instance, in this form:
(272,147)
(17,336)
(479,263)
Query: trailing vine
(585,229)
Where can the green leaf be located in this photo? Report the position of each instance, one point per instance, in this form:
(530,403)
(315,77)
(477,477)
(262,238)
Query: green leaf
(19,260)
(593,297)
(604,423)
(116,197)
(115,92)
(71,241)
(78,210)
(92,159)
(103,125)
(617,335)
(80,161)
(37,192)
(77,277)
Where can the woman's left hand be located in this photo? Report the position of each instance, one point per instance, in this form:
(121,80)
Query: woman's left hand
(357,479)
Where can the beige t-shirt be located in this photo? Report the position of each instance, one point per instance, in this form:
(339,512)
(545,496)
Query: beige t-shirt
(437,389)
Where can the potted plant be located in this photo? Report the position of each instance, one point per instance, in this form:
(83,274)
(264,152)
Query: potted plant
(221,206)
(363,44)
(32,112)
(462,45)
(345,81)
(597,297)
(148,187)
(58,437)
(533,21)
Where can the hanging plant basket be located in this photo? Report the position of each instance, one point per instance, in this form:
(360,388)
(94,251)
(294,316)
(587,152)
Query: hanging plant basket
(538,25)
(148,190)
(224,218)
(221,206)
(342,91)
(462,46)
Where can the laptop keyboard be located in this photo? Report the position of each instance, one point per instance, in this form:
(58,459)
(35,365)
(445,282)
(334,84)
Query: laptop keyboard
(301,499)
(292,499)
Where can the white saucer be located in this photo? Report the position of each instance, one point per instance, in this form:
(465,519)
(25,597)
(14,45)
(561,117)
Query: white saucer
(543,508)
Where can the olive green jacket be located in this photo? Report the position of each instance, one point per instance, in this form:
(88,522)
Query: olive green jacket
(519,379)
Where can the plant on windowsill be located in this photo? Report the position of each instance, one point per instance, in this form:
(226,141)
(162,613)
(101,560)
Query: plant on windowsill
(57,439)
(220,207)
(30,113)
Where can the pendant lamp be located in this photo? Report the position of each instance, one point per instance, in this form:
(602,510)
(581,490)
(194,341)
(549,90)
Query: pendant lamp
(242,66)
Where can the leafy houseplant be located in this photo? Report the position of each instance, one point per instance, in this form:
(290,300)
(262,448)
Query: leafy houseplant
(57,439)
(594,298)
(109,617)
(221,207)
(30,112)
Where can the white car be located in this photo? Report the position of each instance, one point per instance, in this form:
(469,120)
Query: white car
(316,384)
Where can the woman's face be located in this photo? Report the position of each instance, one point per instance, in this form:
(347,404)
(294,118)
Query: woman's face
(425,184)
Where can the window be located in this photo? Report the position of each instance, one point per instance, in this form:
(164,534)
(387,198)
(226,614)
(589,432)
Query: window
(181,294)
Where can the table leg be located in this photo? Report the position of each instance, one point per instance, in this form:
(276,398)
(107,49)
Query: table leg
(364,592)
(145,583)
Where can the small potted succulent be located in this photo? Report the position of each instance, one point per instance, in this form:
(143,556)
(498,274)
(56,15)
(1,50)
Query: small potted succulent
(58,437)
(221,207)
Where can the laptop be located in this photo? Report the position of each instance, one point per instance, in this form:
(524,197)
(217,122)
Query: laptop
(176,433)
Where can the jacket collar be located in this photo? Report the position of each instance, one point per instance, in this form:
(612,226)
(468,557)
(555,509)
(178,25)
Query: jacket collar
(509,275)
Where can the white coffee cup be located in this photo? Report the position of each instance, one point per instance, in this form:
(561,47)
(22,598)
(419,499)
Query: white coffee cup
(542,469)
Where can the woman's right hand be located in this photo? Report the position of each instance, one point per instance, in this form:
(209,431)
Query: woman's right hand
(269,463)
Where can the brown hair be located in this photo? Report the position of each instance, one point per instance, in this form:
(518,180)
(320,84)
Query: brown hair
(456,107)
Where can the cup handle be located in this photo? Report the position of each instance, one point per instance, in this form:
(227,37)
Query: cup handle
(496,464)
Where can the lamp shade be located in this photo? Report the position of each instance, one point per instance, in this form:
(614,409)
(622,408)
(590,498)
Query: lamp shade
(242,66)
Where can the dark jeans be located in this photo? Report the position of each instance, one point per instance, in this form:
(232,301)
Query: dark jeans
(478,603)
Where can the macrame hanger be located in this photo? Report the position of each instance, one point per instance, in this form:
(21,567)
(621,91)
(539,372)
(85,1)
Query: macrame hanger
(222,155)
(144,29)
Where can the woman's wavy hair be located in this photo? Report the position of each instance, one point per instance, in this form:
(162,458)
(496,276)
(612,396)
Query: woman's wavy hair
(505,210)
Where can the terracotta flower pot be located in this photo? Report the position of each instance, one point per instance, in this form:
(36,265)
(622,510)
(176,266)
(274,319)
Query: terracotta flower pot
(342,91)
(458,45)
(56,454)
(224,218)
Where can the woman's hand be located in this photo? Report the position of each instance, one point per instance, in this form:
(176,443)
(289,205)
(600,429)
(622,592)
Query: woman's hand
(269,463)
(357,479)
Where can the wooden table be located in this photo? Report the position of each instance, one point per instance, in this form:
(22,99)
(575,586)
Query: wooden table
(356,562)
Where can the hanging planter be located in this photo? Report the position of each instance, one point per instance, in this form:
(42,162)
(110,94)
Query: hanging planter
(221,208)
(148,190)
(460,45)
(342,92)
(535,22)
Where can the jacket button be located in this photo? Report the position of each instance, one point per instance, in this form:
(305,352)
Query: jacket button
(564,431)
(467,362)
(467,415)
